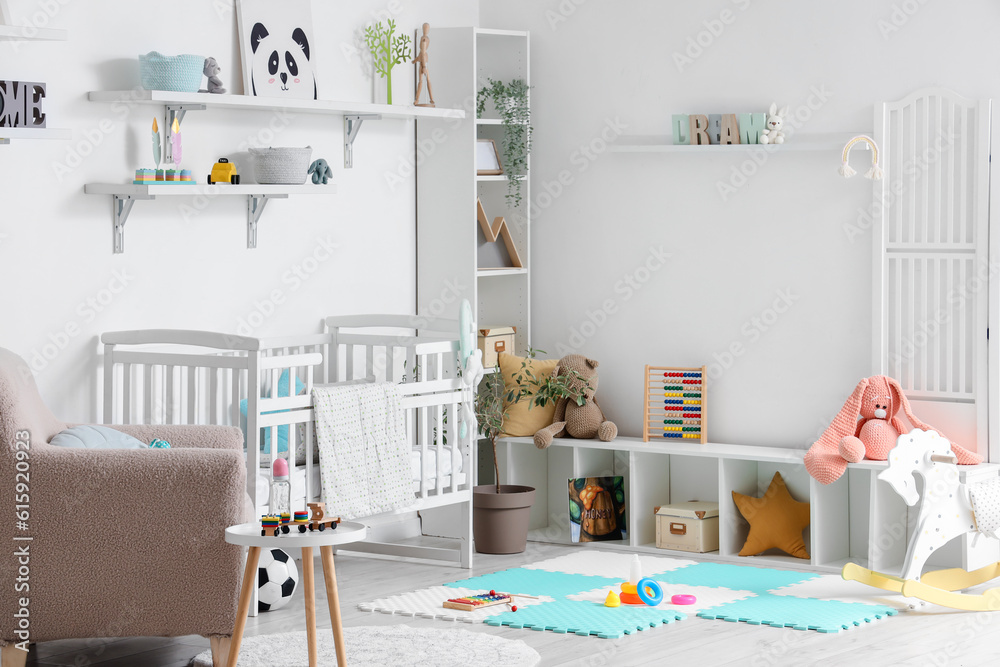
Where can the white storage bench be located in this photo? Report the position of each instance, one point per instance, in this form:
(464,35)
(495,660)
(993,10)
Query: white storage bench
(857,518)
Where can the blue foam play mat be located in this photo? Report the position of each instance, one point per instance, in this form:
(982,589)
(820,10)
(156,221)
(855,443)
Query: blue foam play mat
(569,593)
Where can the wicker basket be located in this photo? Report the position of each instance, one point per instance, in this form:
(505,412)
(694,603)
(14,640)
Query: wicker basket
(281,166)
(181,74)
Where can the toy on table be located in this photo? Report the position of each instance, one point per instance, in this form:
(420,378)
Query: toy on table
(321,172)
(948,508)
(676,403)
(483,600)
(212,70)
(280,524)
(867,427)
(223,171)
(159,444)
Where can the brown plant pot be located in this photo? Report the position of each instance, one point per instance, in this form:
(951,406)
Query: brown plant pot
(500,521)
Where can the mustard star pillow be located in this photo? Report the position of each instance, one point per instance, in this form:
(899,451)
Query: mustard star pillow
(776,520)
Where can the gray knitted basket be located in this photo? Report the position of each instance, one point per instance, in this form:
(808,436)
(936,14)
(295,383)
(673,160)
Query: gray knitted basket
(281,166)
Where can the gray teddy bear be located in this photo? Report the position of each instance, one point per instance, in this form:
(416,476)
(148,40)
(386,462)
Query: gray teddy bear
(212,70)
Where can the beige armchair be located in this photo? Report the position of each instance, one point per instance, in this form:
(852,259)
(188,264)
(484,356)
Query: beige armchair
(124,543)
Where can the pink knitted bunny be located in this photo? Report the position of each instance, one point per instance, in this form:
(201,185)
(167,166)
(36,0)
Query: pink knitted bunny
(848,439)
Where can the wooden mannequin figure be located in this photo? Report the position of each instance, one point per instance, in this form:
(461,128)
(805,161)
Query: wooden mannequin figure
(422,73)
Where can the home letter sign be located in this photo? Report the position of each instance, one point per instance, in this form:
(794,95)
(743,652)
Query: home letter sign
(21,104)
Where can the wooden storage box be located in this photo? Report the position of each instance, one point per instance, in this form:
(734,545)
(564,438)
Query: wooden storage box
(495,340)
(691,526)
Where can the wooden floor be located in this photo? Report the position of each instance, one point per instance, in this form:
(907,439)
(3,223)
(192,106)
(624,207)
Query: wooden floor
(921,638)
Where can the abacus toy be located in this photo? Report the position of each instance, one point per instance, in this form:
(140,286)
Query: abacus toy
(676,400)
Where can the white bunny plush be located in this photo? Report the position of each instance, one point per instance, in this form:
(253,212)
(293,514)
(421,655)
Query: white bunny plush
(775,120)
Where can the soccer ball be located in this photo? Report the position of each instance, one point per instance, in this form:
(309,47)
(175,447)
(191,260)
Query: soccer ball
(277,579)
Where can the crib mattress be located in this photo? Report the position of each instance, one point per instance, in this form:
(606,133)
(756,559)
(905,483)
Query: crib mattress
(298,474)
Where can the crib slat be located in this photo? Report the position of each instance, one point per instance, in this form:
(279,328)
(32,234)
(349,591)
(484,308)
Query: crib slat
(126,393)
(213,395)
(192,394)
(168,394)
(456,446)
(308,445)
(109,384)
(422,441)
(369,360)
(233,378)
(147,394)
(439,444)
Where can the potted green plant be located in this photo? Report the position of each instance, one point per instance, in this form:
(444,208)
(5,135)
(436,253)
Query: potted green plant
(501,512)
(512,105)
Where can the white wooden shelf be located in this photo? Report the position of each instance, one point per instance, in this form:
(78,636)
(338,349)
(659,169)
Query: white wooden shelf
(491,32)
(8,133)
(176,105)
(848,517)
(500,178)
(505,271)
(124,196)
(330,107)
(17,33)
(799,142)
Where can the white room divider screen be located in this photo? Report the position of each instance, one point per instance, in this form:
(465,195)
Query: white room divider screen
(932,256)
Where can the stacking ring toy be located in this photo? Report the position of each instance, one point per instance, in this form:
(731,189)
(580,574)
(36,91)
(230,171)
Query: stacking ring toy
(643,589)
(630,598)
(683,599)
(628,588)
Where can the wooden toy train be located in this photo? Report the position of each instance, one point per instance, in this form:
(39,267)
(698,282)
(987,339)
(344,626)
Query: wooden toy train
(278,524)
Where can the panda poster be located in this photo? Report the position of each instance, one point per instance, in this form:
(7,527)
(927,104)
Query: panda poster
(597,509)
(276,44)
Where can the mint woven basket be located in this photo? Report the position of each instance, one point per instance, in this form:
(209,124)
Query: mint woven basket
(281,166)
(180,74)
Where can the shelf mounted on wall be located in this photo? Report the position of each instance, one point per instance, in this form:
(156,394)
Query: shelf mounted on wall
(124,197)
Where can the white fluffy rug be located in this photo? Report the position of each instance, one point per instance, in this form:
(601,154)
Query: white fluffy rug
(388,645)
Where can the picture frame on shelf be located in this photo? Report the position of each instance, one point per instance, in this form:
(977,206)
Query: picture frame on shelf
(276,42)
(487,158)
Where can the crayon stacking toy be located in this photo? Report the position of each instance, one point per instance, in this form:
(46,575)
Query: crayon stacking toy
(160,176)
(675,406)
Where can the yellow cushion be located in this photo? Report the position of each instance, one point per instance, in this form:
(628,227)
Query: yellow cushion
(520,420)
(776,520)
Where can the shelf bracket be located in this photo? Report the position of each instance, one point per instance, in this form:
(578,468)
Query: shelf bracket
(123,206)
(352,125)
(177,111)
(255,208)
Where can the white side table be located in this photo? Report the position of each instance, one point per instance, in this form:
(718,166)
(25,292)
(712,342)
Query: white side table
(248,535)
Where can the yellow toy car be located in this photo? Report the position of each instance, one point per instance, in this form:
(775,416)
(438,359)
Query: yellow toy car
(223,171)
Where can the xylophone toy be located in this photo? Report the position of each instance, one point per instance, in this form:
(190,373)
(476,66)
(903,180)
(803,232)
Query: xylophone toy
(676,400)
(484,600)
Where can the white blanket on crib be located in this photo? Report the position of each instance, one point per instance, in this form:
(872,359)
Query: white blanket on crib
(363,451)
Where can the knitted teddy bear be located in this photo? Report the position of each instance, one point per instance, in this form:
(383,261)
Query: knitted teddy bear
(867,427)
(578,421)
(212,70)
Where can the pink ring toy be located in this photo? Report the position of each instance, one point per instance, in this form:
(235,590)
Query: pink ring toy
(683,599)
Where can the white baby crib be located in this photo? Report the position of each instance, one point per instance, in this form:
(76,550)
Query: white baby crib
(169,376)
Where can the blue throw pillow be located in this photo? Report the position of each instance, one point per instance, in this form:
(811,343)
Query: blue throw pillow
(96,437)
(283,382)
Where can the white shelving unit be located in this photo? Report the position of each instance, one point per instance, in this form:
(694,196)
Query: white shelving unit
(857,518)
(452,253)
(125,195)
(798,142)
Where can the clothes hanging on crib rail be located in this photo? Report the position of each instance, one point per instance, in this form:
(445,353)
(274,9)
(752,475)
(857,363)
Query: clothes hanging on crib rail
(363,449)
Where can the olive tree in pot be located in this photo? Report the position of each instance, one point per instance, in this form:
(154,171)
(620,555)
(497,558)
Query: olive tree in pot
(501,512)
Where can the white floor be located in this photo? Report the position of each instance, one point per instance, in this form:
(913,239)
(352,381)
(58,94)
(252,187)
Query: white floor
(933,636)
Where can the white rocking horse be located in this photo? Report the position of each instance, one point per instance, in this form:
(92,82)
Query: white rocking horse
(948,508)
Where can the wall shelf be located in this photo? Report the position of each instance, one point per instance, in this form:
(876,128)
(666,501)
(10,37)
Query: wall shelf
(124,197)
(8,133)
(501,271)
(354,113)
(800,142)
(17,33)
(498,178)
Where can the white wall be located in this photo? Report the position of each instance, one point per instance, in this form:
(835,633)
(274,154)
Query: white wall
(598,64)
(55,242)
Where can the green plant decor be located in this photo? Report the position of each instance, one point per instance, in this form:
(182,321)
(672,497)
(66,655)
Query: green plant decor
(511,103)
(493,396)
(388,50)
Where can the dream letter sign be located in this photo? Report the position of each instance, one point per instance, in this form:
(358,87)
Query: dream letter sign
(21,104)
